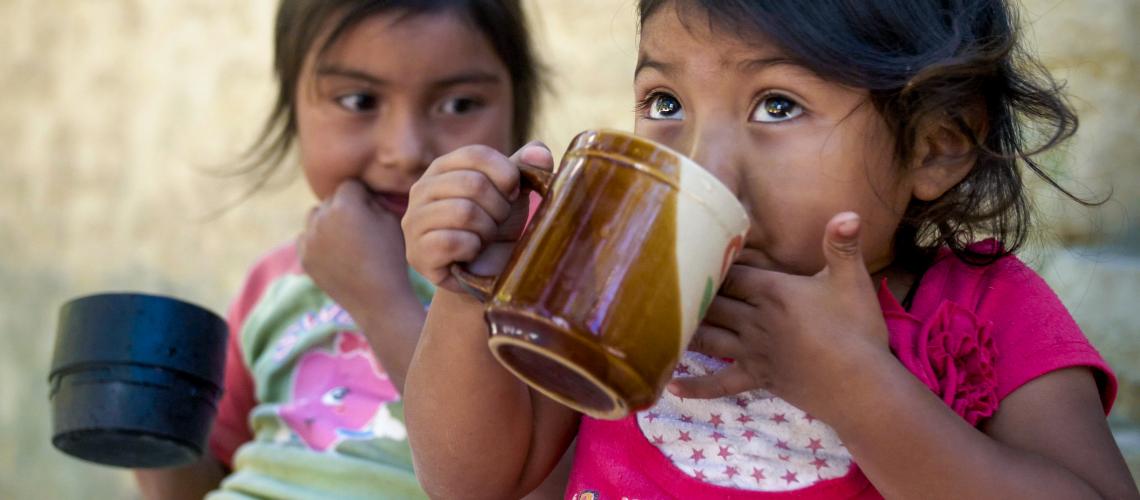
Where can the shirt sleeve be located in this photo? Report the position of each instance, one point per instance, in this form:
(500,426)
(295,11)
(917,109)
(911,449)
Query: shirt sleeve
(1033,332)
(231,426)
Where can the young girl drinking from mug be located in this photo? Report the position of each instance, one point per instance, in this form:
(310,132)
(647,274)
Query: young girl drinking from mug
(370,92)
(876,336)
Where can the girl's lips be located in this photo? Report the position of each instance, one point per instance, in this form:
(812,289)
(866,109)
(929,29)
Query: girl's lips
(397,203)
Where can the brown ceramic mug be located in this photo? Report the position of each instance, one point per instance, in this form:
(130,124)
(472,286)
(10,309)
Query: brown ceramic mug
(609,281)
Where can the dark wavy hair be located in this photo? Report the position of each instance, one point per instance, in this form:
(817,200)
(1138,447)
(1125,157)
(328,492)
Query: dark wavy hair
(301,23)
(926,60)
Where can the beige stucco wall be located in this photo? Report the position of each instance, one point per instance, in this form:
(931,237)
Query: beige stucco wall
(111,110)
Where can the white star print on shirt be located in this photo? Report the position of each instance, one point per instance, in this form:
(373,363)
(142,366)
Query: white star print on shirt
(751,441)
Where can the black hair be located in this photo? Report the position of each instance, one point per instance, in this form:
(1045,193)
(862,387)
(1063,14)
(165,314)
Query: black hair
(302,24)
(922,61)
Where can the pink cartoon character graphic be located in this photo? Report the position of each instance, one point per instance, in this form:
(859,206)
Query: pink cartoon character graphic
(341,395)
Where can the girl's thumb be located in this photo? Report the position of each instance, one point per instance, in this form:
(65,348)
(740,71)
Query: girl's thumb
(841,245)
(536,154)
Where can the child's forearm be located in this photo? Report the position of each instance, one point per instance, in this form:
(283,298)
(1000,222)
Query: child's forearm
(911,445)
(393,329)
(193,481)
(472,425)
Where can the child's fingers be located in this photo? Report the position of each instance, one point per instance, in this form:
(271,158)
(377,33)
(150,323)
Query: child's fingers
(752,285)
(731,380)
(464,184)
(841,248)
(716,342)
(459,214)
(312,215)
(535,154)
(350,191)
(433,253)
(727,312)
(496,167)
(512,228)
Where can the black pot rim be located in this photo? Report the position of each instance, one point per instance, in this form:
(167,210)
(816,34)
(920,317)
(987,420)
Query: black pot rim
(140,328)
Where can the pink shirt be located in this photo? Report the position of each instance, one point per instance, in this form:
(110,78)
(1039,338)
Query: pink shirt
(973,336)
(231,426)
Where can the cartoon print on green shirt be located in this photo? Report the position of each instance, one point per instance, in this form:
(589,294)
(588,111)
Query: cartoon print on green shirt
(342,394)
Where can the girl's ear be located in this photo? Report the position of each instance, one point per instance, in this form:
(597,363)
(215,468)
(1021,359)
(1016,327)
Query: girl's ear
(945,151)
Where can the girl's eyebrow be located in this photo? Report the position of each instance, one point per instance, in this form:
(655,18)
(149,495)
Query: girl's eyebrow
(763,63)
(745,66)
(644,61)
(466,77)
(469,77)
(335,70)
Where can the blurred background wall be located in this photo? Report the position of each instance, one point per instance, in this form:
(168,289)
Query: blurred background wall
(112,112)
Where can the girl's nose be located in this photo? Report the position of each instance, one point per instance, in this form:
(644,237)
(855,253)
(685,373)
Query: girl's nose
(716,149)
(404,144)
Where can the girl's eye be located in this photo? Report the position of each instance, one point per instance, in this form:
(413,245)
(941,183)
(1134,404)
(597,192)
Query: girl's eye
(460,105)
(776,108)
(357,102)
(662,106)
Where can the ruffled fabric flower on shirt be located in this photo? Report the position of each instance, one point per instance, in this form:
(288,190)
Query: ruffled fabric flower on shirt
(952,353)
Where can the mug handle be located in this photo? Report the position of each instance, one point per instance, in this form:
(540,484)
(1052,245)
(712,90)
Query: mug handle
(482,287)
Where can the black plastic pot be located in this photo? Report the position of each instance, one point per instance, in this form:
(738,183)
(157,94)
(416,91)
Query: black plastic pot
(135,379)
